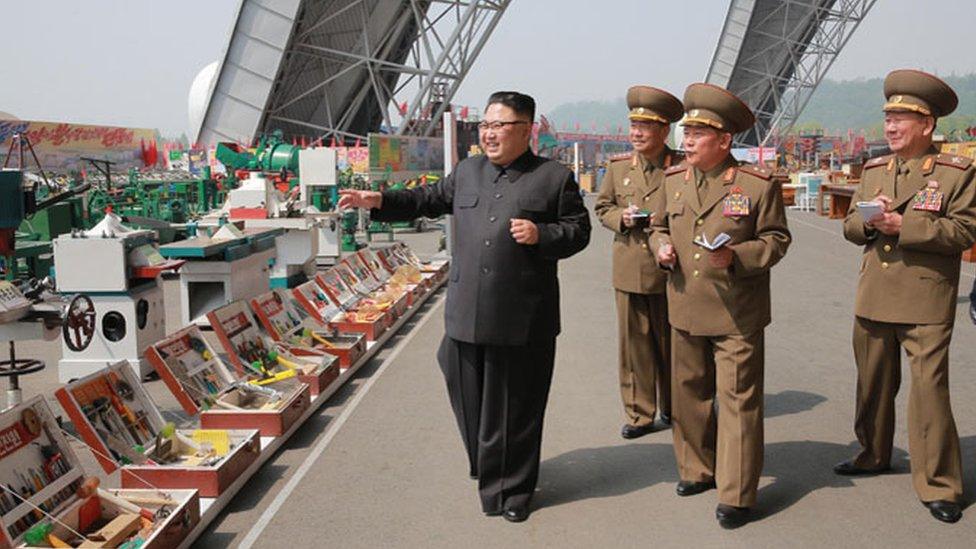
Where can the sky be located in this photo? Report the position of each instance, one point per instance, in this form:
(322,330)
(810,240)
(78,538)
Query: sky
(131,62)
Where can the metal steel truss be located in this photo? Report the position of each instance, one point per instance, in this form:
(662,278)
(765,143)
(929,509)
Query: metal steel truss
(774,53)
(353,64)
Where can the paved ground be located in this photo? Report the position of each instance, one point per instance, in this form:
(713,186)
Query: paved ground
(384,466)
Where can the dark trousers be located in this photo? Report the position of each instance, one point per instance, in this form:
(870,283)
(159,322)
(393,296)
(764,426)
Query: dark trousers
(499,396)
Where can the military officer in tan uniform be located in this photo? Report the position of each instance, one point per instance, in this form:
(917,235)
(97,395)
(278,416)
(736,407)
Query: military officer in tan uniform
(718,301)
(906,293)
(630,195)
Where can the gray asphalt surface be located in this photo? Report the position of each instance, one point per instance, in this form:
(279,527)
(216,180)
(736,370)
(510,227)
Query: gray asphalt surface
(394,473)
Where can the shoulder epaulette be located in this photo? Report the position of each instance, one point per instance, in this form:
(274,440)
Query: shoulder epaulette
(757,171)
(959,162)
(675,169)
(620,156)
(878,161)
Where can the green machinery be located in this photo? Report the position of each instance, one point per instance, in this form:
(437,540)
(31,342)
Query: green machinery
(170,200)
(28,224)
(350,219)
(419,224)
(279,161)
(273,157)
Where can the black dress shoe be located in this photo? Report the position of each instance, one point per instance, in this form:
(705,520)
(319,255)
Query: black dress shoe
(516,514)
(848,469)
(665,418)
(493,513)
(689,488)
(633,431)
(946,511)
(730,517)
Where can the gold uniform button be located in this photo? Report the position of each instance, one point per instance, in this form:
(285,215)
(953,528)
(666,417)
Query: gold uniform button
(644,246)
(697,256)
(884,265)
(677,196)
(700,222)
(887,247)
(696,274)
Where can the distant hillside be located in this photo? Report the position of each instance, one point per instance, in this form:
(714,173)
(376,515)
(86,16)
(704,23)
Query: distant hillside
(836,106)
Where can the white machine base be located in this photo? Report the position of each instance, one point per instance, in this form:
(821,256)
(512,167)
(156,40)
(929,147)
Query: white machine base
(206,285)
(103,351)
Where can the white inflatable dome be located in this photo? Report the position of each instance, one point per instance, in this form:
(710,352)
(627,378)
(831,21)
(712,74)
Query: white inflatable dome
(200,95)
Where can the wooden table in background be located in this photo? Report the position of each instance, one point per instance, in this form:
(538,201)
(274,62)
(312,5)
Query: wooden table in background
(840,199)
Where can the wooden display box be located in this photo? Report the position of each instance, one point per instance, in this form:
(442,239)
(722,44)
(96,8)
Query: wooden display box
(313,299)
(203,384)
(38,463)
(245,344)
(371,292)
(969,255)
(350,319)
(287,321)
(433,273)
(114,415)
(390,284)
(366,267)
(398,267)
(438,269)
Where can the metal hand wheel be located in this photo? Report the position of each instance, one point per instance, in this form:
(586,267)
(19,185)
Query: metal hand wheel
(78,323)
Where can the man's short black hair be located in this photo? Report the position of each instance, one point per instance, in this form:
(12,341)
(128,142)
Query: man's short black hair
(522,104)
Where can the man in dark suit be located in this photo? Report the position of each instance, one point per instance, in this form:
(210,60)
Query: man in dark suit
(516,215)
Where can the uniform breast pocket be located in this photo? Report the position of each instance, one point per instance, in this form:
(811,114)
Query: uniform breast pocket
(533,208)
(624,199)
(466,200)
(675,209)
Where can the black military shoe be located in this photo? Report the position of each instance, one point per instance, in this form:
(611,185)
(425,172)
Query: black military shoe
(493,513)
(633,431)
(946,511)
(690,488)
(848,469)
(730,517)
(665,418)
(516,514)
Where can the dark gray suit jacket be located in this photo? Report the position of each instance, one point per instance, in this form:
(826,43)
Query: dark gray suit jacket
(501,292)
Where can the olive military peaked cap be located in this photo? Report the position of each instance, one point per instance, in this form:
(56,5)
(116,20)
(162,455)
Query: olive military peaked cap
(715,107)
(917,91)
(647,103)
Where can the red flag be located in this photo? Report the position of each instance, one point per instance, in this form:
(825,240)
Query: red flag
(358,144)
(153,153)
(143,153)
(464,113)
(304,142)
(403,108)
(332,142)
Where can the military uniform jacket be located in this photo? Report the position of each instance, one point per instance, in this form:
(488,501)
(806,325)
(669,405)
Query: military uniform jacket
(627,182)
(500,292)
(703,300)
(913,277)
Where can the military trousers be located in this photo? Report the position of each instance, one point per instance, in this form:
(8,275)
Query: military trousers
(933,443)
(644,351)
(727,371)
(499,394)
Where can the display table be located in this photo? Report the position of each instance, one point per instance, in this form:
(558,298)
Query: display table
(789,193)
(840,199)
